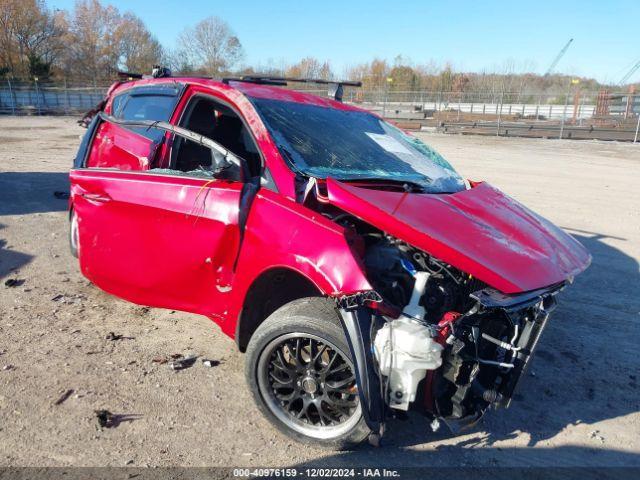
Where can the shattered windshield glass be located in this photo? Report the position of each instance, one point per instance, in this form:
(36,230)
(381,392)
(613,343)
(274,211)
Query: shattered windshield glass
(350,145)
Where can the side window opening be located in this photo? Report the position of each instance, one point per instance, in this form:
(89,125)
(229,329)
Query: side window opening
(117,104)
(222,125)
(183,153)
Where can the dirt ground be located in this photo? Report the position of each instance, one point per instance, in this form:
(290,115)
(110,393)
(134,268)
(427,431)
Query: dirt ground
(579,405)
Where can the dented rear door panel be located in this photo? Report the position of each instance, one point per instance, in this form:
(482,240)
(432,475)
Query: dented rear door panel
(118,147)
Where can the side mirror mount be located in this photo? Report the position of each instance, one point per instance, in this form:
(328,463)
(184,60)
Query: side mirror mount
(218,160)
(336,91)
(224,168)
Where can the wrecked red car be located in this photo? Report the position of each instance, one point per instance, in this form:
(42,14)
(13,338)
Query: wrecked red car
(361,274)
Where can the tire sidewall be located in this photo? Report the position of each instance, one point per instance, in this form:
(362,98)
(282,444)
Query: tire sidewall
(73,225)
(279,324)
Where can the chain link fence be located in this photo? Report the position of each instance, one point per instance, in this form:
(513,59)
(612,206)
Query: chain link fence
(573,114)
(45,98)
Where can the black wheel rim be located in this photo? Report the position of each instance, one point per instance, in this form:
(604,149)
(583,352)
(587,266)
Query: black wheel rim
(310,385)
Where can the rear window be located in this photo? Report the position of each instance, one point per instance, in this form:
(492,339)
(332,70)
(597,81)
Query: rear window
(146,104)
(147,107)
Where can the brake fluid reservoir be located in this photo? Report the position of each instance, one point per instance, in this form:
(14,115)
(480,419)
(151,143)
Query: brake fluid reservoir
(405,350)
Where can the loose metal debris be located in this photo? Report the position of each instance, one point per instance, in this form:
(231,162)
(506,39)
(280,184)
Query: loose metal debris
(115,337)
(182,363)
(13,282)
(64,397)
(64,298)
(106,419)
(163,360)
(210,363)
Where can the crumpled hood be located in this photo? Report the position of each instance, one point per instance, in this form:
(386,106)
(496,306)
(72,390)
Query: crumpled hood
(480,231)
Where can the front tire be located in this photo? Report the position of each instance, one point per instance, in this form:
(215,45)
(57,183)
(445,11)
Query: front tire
(301,375)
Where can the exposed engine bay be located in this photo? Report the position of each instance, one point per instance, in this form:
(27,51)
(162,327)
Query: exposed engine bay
(444,342)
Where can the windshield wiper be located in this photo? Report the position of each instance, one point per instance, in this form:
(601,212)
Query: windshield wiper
(407,185)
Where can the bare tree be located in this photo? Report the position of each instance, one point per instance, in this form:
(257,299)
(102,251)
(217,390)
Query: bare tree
(9,50)
(270,66)
(139,50)
(403,75)
(372,75)
(102,41)
(95,48)
(211,45)
(178,63)
(310,67)
(30,37)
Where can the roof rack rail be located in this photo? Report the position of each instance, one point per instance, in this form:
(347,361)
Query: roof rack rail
(285,80)
(157,71)
(336,87)
(129,75)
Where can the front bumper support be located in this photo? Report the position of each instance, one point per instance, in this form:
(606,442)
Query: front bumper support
(357,323)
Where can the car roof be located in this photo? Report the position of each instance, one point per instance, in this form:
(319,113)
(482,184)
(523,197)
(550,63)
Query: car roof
(249,89)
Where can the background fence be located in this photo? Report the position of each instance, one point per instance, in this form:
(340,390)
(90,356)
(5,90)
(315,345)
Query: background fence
(572,114)
(37,98)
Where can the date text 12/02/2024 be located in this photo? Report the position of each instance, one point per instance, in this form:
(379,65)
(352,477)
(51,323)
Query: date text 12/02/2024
(316,473)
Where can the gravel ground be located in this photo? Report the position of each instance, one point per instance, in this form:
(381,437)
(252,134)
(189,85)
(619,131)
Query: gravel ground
(579,404)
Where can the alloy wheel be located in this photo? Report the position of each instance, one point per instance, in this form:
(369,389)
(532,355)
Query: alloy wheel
(309,384)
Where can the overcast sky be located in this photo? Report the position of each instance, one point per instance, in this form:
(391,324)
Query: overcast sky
(472,35)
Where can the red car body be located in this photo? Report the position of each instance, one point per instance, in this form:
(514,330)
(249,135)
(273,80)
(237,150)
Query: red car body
(124,242)
(181,242)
